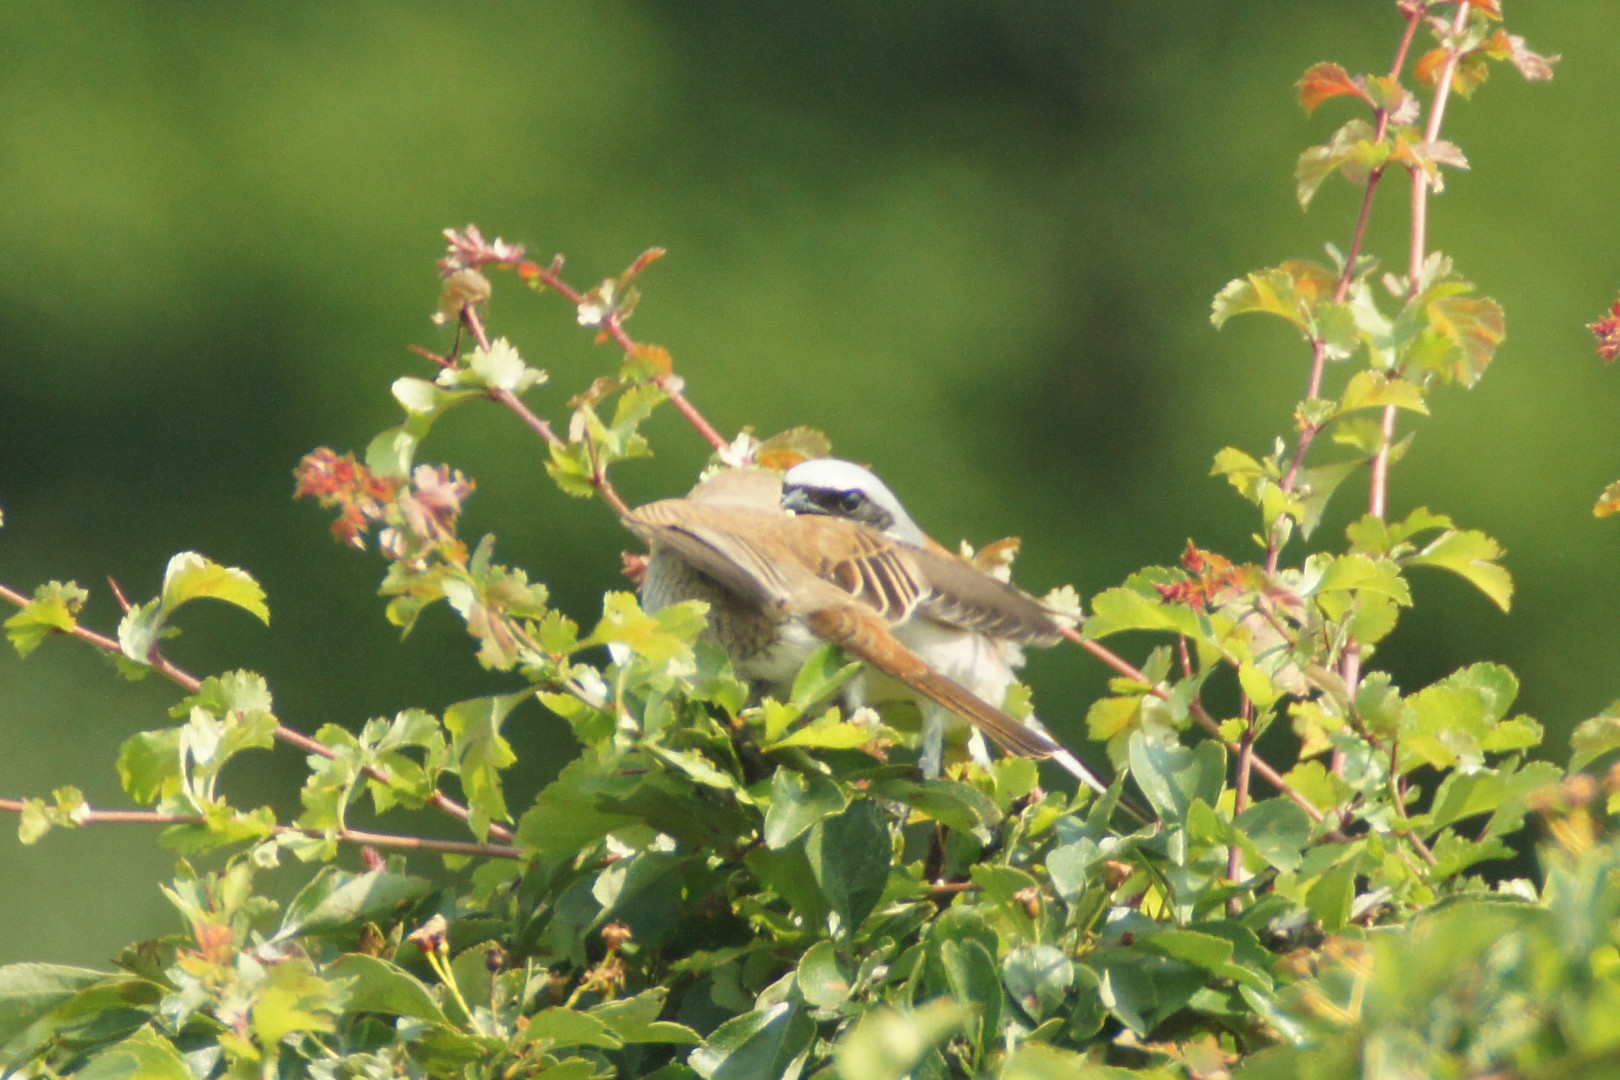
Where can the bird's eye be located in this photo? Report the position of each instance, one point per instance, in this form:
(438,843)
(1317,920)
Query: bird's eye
(850,501)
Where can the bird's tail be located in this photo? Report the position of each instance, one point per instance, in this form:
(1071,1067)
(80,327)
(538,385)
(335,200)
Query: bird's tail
(865,637)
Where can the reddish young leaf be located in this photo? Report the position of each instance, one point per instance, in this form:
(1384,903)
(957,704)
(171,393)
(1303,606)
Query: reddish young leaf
(1328,81)
(1511,47)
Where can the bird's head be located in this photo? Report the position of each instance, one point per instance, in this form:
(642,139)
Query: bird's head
(844,489)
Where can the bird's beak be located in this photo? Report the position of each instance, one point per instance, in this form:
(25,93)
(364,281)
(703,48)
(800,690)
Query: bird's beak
(796,501)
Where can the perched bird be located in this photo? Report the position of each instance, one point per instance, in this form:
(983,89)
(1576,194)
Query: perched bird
(778,584)
(978,644)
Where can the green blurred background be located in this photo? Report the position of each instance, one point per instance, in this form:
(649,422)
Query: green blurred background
(974,242)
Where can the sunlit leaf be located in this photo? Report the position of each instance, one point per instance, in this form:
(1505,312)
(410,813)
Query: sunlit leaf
(1324,81)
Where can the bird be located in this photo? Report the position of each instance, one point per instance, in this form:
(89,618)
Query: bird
(779,583)
(980,646)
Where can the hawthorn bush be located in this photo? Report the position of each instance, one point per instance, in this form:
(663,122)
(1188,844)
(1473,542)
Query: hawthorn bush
(724,887)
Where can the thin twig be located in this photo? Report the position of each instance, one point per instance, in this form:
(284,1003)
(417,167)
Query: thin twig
(669,384)
(345,836)
(191,684)
(1308,432)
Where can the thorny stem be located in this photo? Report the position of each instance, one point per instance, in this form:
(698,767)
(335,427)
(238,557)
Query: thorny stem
(191,684)
(1308,431)
(1378,494)
(345,836)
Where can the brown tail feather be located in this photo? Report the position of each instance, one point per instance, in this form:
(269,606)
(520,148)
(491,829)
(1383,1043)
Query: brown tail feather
(864,636)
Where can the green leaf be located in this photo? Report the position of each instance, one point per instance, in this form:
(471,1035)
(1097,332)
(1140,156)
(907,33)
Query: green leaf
(975,982)
(822,977)
(391,453)
(1279,829)
(375,985)
(498,368)
(52,610)
(481,753)
(30,992)
(1124,608)
(139,630)
(1038,977)
(664,637)
(1359,573)
(150,766)
(1353,150)
(567,815)
(1291,291)
(294,999)
(335,899)
(953,804)
(1595,737)
(1330,896)
(849,855)
(1465,331)
(190,576)
(1370,389)
(762,1043)
(565,1027)
(798,801)
(1455,721)
(1472,555)
(145,1055)
(635,1020)
(825,732)
(888,1043)
(1464,795)
(821,676)
(1174,776)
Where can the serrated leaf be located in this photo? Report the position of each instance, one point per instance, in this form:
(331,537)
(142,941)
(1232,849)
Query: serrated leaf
(1374,389)
(663,637)
(1460,339)
(149,765)
(1324,81)
(635,1020)
(1353,150)
(53,609)
(1292,291)
(481,753)
(1361,573)
(1122,608)
(1595,737)
(139,630)
(1472,555)
(190,576)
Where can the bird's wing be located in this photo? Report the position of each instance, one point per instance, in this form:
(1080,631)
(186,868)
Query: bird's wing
(961,595)
(860,562)
(723,541)
(863,634)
